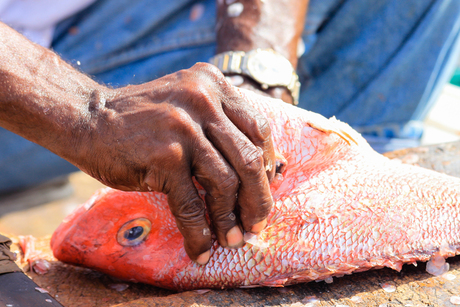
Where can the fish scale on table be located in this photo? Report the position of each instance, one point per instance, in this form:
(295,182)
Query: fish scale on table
(339,208)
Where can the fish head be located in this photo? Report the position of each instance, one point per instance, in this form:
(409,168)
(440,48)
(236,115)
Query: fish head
(129,235)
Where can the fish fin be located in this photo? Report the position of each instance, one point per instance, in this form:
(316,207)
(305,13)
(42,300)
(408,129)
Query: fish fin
(333,125)
(315,120)
(275,283)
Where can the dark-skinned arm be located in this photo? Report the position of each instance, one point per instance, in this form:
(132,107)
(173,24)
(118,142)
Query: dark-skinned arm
(153,136)
(262,24)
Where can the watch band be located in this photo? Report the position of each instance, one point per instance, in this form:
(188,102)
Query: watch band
(236,62)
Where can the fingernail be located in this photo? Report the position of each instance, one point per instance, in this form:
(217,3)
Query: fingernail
(259,226)
(234,237)
(203,258)
(269,166)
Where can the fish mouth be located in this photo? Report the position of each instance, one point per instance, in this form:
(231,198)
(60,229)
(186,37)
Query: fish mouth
(67,232)
(63,249)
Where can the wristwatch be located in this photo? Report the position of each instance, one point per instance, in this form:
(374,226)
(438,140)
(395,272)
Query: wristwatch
(265,66)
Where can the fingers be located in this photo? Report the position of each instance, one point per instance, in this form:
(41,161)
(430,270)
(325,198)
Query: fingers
(254,198)
(221,183)
(189,211)
(242,135)
(227,146)
(238,109)
(254,126)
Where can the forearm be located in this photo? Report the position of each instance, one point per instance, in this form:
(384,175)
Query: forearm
(262,24)
(42,98)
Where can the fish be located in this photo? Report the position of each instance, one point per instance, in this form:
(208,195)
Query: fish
(339,208)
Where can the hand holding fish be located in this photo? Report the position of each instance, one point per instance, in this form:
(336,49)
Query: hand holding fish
(155,136)
(339,208)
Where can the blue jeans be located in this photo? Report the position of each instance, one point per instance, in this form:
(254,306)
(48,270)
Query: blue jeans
(378,65)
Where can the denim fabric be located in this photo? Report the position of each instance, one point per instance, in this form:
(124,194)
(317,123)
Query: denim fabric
(139,41)
(23,163)
(379,65)
(376,64)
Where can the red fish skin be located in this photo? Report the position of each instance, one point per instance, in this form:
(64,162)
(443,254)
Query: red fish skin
(92,238)
(339,208)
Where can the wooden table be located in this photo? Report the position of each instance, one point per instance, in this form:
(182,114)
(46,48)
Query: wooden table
(74,286)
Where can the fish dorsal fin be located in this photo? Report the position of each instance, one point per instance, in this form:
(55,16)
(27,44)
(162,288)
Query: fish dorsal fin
(333,125)
(287,116)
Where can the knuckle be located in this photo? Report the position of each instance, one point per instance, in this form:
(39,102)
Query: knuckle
(201,93)
(221,216)
(253,162)
(209,69)
(253,215)
(189,211)
(209,76)
(226,188)
(264,127)
(221,221)
(206,85)
(260,127)
(180,120)
(173,152)
(264,209)
(173,156)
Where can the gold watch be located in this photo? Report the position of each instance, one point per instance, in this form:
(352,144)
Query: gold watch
(266,66)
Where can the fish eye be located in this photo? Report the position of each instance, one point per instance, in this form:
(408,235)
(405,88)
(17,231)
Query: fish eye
(134,232)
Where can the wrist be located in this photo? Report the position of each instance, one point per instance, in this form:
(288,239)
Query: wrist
(274,25)
(272,72)
(279,92)
(86,132)
(277,25)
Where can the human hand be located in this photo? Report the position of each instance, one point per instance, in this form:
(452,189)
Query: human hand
(155,136)
(158,135)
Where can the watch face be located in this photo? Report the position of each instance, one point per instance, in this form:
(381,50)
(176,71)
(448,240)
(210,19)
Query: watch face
(269,68)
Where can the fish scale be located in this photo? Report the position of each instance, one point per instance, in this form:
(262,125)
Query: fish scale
(339,208)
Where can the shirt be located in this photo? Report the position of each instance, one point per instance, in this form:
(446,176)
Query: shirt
(36,19)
